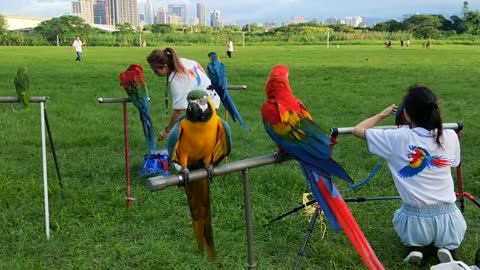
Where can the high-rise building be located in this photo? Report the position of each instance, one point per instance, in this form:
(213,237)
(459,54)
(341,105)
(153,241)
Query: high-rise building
(179,10)
(215,20)
(298,19)
(101,12)
(124,11)
(83,9)
(202,18)
(148,12)
(161,16)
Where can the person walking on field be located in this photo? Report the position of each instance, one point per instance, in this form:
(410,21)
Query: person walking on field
(77,46)
(420,157)
(229,48)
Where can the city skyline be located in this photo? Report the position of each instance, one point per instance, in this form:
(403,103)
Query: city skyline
(250,11)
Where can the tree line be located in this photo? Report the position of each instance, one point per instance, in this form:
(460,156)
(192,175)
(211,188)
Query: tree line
(62,30)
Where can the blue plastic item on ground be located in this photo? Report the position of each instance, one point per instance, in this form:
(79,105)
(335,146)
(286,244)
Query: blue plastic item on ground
(155,164)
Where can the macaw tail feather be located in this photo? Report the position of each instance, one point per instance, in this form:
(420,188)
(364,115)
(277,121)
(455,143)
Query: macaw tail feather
(148,131)
(199,202)
(311,177)
(232,110)
(344,216)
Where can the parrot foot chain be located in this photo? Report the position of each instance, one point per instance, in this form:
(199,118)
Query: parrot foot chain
(185,172)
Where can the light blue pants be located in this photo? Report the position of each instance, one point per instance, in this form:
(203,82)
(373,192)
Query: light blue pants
(442,225)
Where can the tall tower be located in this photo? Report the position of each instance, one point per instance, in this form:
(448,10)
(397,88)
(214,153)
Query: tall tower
(148,12)
(101,12)
(83,9)
(124,11)
(215,20)
(179,10)
(161,16)
(202,19)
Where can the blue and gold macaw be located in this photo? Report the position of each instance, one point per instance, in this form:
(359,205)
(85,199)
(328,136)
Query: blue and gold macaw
(288,122)
(218,77)
(200,140)
(22,85)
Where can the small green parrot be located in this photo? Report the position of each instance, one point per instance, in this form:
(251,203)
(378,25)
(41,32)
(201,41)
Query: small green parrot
(22,84)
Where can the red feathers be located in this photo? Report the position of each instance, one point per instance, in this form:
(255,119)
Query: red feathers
(132,77)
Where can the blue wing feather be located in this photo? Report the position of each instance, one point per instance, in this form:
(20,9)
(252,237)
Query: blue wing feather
(228,132)
(312,151)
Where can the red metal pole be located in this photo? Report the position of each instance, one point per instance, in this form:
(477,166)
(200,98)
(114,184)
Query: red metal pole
(127,159)
(461,192)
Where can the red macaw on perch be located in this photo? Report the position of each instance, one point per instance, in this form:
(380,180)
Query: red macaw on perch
(288,122)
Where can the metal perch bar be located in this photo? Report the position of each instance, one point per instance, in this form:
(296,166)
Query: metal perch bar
(159,183)
(16,100)
(348,130)
(113,100)
(237,87)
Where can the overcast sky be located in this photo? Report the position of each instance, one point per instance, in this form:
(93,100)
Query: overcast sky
(244,11)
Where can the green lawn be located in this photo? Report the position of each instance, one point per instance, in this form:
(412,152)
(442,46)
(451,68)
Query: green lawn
(91,227)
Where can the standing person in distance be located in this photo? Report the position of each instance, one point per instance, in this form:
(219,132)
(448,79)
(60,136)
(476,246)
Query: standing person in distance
(183,75)
(419,157)
(77,46)
(229,47)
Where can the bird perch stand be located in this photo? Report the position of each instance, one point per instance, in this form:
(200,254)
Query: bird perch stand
(42,101)
(159,183)
(457,127)
(124,102)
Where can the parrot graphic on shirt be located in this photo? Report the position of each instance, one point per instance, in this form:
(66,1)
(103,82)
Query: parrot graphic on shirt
(290,125)
(421,159)
(218,77)
(200,140)
(22,85)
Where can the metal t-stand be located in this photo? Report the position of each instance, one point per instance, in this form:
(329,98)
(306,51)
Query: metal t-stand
(124,102)
(42,101)
(159,183)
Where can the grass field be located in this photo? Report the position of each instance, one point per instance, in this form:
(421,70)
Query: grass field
(90,225)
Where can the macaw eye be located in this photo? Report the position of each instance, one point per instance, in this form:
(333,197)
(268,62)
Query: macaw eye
(203,100)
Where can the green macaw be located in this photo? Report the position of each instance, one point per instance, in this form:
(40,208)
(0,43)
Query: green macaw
(200,140)
(22,84)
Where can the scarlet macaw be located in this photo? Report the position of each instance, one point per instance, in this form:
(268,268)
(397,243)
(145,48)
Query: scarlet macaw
(218,77)
(200,140)
(134,84)
(22,85)
(288,122)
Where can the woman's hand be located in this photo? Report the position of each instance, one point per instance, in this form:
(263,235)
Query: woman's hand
(164,134)
(390,110)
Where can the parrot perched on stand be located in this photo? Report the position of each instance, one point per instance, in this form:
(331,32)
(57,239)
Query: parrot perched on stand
(22,85)
(218,77)
(288,122)
(200,140)
(133,82)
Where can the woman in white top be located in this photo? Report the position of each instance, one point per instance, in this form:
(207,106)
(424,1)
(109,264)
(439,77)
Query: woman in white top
(183,75)
(419,157)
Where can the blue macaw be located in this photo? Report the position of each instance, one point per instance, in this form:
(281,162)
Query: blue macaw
(290,125)
(200,140)
(218,77)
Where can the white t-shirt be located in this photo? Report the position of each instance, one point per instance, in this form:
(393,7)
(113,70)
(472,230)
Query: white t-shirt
(77,44)
(230,46)
(182,84)
(421,169)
